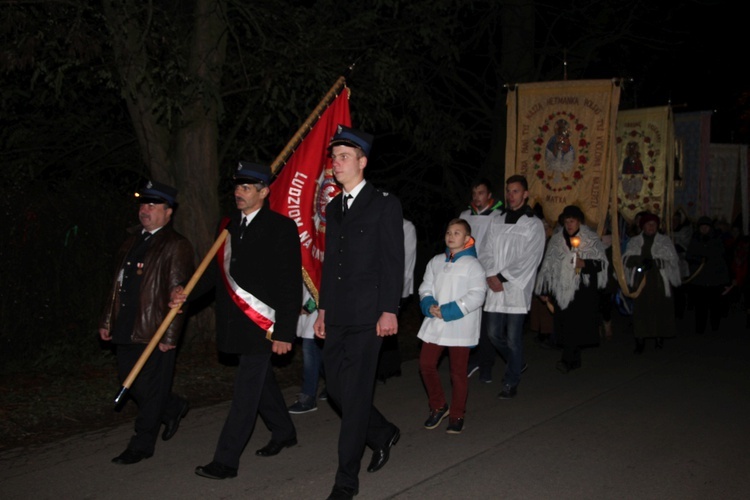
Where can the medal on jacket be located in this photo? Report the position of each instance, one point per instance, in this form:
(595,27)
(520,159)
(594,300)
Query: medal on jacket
(139,271)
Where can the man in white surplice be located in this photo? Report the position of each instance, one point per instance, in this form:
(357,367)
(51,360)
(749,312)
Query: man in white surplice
(510,254)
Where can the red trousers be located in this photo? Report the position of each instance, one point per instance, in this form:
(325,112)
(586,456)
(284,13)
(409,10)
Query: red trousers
(429,357)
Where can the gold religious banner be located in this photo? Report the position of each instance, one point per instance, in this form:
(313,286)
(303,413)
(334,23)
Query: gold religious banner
(645,150)
(559,137)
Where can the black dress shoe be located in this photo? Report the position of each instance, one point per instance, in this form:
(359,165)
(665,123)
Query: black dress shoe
(274,447)
(640,345)
(380,456)
(562,366)
(216,470)
(341,493)
(170,428)
(130,456)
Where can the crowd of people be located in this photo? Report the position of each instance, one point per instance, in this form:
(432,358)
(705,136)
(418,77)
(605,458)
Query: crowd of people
(503,270)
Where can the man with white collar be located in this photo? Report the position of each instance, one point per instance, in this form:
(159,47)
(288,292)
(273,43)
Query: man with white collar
(360,292)
(257,276)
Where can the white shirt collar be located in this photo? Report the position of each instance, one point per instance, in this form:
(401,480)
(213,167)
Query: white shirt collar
(249,217)
(144,230)
(354,192)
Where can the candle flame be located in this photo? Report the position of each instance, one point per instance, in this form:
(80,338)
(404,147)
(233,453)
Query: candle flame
(575,241)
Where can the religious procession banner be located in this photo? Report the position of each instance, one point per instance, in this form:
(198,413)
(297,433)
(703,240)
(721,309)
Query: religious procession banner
(693,132)
(726,163)
(645,160)
(306,185)
(561,137)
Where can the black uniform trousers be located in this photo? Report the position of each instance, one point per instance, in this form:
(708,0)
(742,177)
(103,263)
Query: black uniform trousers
(350,358)
(256,392)
(151,390)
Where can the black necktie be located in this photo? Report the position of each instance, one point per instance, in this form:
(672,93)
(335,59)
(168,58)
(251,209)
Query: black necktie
(345,206)
(243,226)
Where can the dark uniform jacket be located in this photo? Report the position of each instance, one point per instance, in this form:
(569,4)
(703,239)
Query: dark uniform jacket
(267,263)
(363,268)
(168,262)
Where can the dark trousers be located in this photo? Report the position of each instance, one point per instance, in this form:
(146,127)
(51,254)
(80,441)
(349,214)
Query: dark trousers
(389,364)
(708,302)
(429,357)
(350,359)
(571,355)
(483,355)
(680,301)
(256,392)
(151,390)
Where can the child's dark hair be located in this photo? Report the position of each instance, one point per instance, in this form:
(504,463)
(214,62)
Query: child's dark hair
(460,222)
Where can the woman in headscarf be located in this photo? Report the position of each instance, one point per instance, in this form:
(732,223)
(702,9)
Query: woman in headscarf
(652,256)
(574,268)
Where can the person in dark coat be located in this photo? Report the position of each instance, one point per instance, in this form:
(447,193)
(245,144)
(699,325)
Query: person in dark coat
(258,281)
(151,262)
(360,292)
(711,282)
(573,271)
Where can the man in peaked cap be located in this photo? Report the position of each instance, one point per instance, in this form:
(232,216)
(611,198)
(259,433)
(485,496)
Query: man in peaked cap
(257,278)
(353,138)
(153,260)
(252,173)
(359,297)
(157,193)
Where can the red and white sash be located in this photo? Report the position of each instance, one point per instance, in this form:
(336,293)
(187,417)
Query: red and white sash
(261,314)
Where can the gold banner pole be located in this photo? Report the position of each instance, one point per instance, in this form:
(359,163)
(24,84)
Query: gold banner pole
(309,123)
(298,137)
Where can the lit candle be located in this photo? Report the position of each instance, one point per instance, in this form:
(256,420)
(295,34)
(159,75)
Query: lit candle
(575,241)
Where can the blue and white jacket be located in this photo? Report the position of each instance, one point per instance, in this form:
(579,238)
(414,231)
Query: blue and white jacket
(457,283)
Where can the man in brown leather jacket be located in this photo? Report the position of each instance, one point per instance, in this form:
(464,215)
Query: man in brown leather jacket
(152,260)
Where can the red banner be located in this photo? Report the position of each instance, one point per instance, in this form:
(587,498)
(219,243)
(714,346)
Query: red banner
(306,185)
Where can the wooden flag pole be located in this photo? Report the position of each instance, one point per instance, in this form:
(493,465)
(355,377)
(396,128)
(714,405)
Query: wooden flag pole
(168,319)
(304,129)
(309,123)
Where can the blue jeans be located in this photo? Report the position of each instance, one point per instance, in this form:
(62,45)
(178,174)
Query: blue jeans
(312,365)
(506,334)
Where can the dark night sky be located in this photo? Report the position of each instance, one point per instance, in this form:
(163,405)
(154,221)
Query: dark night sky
(687,53)
(708,73)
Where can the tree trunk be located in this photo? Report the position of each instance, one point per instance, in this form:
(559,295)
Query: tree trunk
(131,60)
(183,153)
(196,159)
